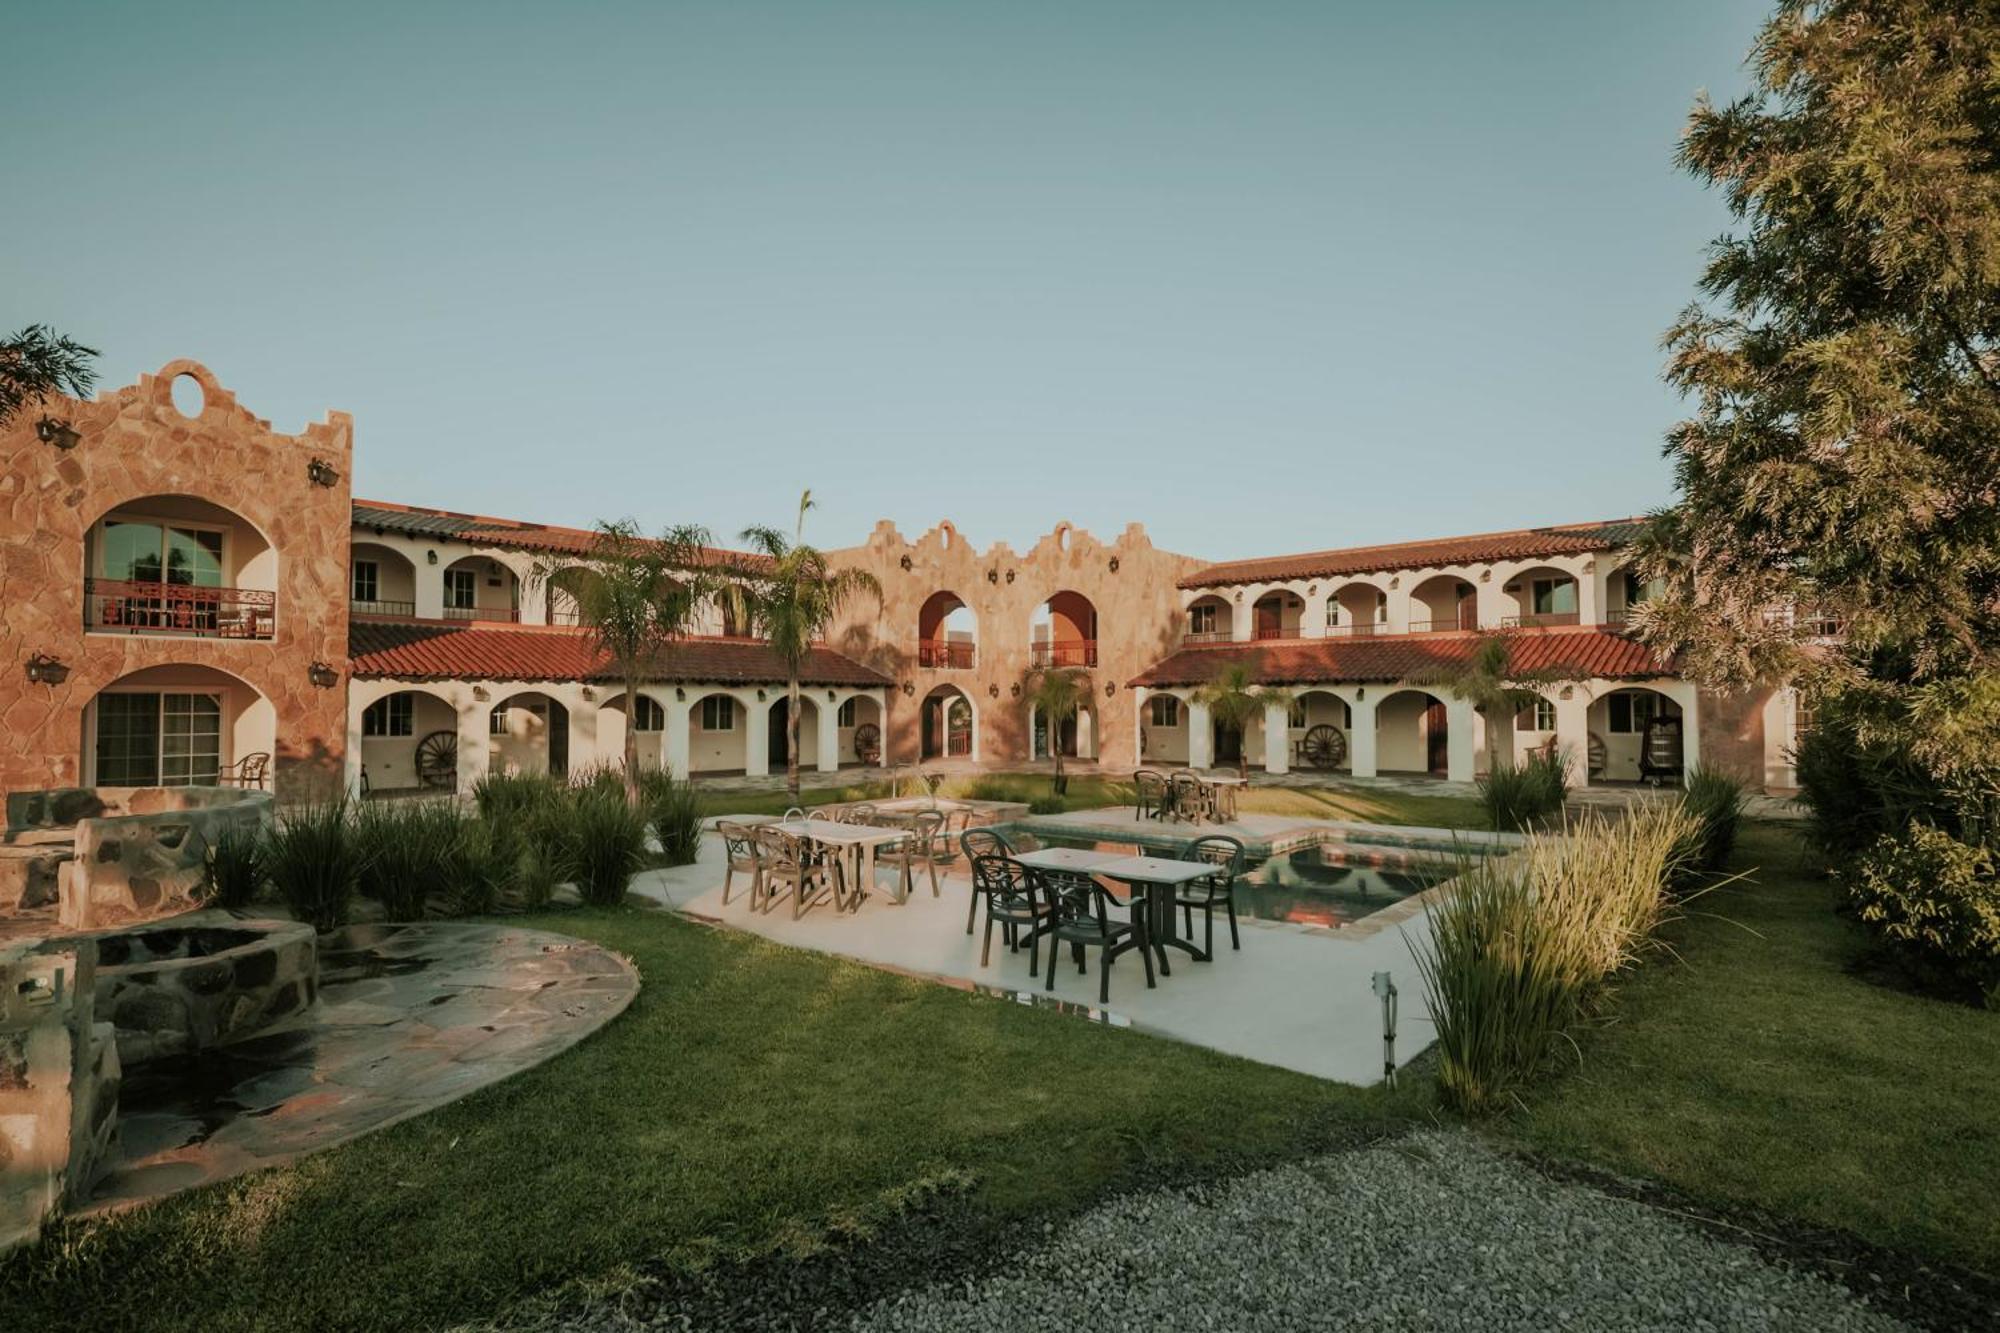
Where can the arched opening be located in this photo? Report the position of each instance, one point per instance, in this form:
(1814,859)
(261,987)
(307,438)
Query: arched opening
(1319,730)
(1443,602)
(1625,591)
(528,733)
(1357,610)
(1543,595)
(1276,615)
(1411,734)
(1063,632)
(947,633)
(718,735)
(381,581)
(781,712)
(409,741)
(179,566)
(1163,729)
(1209,619)
(948,726)
(1641,731)
(478,587)
(859,722)
(562,594)
(178,726)
(733,616)
(1534,731)
(1077,735)
(651,733)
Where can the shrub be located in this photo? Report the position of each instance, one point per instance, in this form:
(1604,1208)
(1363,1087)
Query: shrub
(314,860)
(473,864)
(503,798)
(1936,902)
(1047,805)
(1714,797)
(403,846)
(608,841)
(605,776)
(233,870)
(991,789)
(1524,796)
(674,807)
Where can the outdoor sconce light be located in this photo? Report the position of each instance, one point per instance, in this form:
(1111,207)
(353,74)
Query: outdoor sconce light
(322,473)
(760,696)
(589,695)
(1395,581)
(993,691)
(829,696)
(322,675)
(1017,689)
(479,693)
(1486,576)
(909,687)
(1112,564)
(680,694)
(992,576)
(1110,688)
(1569,691)
(50,431)
(46,670)
(430,557)
(1359,694)
(906,563)
(1010,576)
(1311,589)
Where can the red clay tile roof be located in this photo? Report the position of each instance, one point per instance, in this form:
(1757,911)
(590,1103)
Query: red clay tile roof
(401,650)
(1518,544)
(1586,652)
(506,533)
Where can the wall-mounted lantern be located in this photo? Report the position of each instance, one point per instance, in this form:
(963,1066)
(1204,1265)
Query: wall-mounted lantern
(909,687)
(1010,576)
(1110,688)
(322,473)
(430,557)
(46,670)
(760,696)
(993,691)
(907,563)
(479,693)
(589,695)
(1360,693)
(1486,576)
(1017,689)
(322,675)
(1395,581)
(59,433)
(1112,564)
(680,694)
(993,576)
(829,696)
(1569,691)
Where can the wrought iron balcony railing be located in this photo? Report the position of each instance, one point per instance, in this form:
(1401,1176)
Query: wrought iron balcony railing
(127,606)
(944,655)
(1064,653)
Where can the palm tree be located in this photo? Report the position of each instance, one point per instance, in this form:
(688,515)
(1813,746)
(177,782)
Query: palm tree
(1234,699)
(1496,688)
(794,602)
(1057,693)
(37,362)
(638,596)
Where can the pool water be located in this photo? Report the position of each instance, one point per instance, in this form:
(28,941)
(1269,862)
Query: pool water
(1313,886)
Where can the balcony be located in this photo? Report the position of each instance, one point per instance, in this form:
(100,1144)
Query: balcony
(1356,630)
(1201,636)
(123,606)
(944,656)
(1443,625)
(406,610)
(504,614)
(1064,653)
(1265,633)
(1541,620)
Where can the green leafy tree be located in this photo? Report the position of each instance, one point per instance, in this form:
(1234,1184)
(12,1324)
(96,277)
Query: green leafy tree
(37,362)
(1235,700)
(794,603)
(638,596)
(1496,688)
(1057,693)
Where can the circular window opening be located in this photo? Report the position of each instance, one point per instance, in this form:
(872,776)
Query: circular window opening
(188,397)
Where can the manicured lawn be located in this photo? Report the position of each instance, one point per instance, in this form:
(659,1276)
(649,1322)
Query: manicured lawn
(750,1099)
(1755,1069)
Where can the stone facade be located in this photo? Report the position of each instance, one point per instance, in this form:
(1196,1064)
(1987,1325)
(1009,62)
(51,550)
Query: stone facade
(206,980)
(1129,583)
(132,444)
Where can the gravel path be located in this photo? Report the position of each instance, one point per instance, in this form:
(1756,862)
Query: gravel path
(1433,1231)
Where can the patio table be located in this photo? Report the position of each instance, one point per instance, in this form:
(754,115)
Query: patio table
(1222,787)
(861,839)
(1157,878)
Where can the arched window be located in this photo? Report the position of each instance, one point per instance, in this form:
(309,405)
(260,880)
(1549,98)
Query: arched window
(647,715)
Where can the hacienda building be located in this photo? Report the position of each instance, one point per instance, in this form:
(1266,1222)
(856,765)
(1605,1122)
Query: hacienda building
(191,597)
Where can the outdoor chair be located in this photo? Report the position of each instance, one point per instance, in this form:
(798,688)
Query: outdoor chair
(1210,891)
(920,848)
(788,865)
(978,842)
(1008,889)
(858,814)
(1188,796)
(1149,794)
(1080,915)
(252,771)
(740,842)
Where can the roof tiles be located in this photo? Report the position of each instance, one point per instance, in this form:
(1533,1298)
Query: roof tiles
(505,533)
(1517,544)
(430,651)
(1595,653)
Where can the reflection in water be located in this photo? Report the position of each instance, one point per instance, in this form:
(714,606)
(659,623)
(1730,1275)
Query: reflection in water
(1321,886)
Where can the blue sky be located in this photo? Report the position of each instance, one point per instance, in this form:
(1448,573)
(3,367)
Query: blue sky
(1263,276)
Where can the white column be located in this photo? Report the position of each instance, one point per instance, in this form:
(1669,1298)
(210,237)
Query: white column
(1242,612)
(1399,606)
(1573,731)
(1312,620)
(1494,603)
(430,588)
(1201,737)
(1590,593)
(675,743)
(1139,727)
(829,736)
(1688,696)
(351,761)
(583,748)
(474,741)
(1461,743)
(756,736)
(882,721)
(1277,738)
(1361,735)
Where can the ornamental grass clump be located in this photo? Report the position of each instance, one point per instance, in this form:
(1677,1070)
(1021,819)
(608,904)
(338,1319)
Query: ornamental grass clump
(506,797)
(314,859)
(233,870)
(1527,795)
(607,836)
(1522,945)
(1715,797)
(406,847)
(673,806)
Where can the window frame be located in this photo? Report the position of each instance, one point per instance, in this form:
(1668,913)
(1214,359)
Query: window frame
(398,716)
(718,713)
(471,583)
(354,580)
(1173,703)
(649,716)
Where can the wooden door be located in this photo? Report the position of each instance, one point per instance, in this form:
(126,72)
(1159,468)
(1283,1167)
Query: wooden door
(1269,619)
(1437,740)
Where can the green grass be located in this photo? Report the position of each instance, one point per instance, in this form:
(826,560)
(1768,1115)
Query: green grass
(752,1098)
(1754,1069)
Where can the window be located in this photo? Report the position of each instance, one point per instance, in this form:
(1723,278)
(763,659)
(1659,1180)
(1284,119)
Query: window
(1804,717)
(647,715)
(1298,721)
(1542,716)
(367,581)
(461,589)
(1630,711)
(1166,710)
(393,716)
(147,552)
(845,718)
(149,740)
(1201,619)
(496,721)
(1554,597)
(1639,590)
(718,713)
(1333,610)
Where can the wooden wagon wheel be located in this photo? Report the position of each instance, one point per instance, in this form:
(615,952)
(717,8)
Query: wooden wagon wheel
(1323,746)
(868,743)
(437,759)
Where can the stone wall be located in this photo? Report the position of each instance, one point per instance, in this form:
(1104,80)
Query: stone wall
(203,981)
(132,443)
(1129,582)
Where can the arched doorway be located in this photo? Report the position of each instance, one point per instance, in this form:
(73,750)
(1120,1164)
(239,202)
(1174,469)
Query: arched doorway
(1412,734)
(1320,731)
(1210,619)
(1443,602)
(949,724)
(780,719)
(650,734)
(1357,610)
(179,566)
(478,587)
(562,594)
(409,741)
(528,733)
(1642,732)
(1077,735)
(1543,596)
(859,724)
(1163,729)
(178,726)
(947,633)
(381,581)
(1063,632)
(718,734)
(1276,615)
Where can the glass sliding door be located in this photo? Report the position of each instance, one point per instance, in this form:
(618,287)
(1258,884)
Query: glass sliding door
(158,740)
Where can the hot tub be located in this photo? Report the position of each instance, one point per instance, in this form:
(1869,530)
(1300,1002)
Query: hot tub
(203,981)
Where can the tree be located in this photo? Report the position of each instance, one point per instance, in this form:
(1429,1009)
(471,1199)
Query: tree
(37,362)
(637,597)
(1057,693)
(1234,699)
(794,603)
(1488,679)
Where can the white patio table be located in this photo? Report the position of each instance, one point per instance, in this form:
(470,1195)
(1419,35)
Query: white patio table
(860,839)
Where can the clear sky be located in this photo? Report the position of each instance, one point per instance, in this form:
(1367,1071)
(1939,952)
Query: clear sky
(1262,276)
